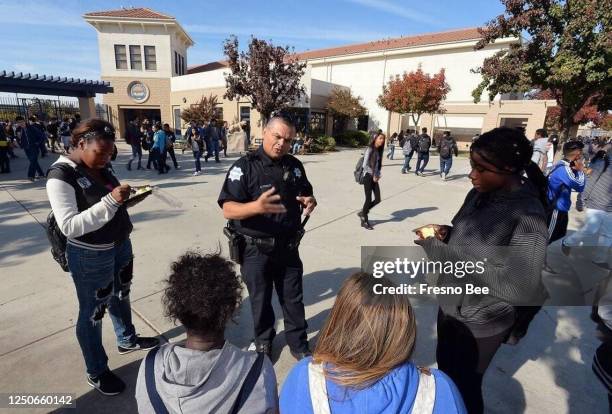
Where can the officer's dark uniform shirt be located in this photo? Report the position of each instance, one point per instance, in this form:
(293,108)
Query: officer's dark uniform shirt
(256,173)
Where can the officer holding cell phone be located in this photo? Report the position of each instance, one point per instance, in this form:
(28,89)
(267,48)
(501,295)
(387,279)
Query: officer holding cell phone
(264,196)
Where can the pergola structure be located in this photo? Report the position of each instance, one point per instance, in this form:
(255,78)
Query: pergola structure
(83,89)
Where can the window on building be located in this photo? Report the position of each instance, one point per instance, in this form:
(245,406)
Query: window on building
(176,63)
(120,57)
(245,113)
(219,114)
(317,122)
(150,58)
(135,57)
(182,65)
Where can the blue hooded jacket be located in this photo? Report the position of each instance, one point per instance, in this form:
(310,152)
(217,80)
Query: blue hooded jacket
(561,181)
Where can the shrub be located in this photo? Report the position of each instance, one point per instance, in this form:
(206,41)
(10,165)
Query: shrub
(353,138)
(323,143)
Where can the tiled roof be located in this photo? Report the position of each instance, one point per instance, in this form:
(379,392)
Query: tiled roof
(396,43)
(208,66)
(133,13)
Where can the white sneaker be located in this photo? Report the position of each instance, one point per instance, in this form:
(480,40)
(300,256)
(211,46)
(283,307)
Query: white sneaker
(196,173)
(443,176)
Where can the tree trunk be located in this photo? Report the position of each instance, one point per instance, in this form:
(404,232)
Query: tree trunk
(416,122)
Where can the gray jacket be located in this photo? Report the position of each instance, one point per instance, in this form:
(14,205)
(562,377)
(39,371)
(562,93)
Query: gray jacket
(190,381)
(367,169)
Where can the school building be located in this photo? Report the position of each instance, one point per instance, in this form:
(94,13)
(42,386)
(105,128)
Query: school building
(144,55)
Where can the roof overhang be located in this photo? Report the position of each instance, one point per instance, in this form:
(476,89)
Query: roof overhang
(51,85)
(96,21)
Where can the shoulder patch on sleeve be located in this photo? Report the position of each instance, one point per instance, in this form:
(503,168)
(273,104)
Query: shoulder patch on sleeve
(235,173)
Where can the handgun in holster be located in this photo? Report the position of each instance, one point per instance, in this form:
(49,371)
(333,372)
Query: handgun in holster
(236,244)
(295,243)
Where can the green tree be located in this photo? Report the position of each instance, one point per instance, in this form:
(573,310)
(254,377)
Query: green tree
(567,51)
(269,75)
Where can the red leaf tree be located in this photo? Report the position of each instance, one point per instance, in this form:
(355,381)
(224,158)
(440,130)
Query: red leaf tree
(415,93)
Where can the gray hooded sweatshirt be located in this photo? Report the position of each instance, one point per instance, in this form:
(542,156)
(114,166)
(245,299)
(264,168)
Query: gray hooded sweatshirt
(191,381)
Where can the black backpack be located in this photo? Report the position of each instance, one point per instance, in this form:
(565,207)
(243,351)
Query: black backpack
(57,239)
(424,143)
(58,242)
(445,148)
(358,173)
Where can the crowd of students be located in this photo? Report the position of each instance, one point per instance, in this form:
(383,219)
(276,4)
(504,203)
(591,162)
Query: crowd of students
(159,140)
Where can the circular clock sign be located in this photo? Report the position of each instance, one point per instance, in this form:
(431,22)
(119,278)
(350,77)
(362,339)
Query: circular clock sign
(138,91)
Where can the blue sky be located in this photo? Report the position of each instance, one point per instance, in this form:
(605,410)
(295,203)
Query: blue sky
(50,37)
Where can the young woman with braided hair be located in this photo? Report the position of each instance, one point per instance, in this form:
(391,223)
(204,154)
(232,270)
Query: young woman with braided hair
(502,220)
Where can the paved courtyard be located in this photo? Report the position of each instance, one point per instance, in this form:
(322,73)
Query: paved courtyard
(548,372)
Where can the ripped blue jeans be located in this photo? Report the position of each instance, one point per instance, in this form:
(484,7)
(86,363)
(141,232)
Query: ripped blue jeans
(102,280)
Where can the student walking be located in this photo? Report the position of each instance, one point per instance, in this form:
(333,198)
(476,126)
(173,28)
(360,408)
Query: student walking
(408,149)
(392,143)
(372,165)
(566,176)
(30,139)
(170,139)
(133,137)
(158,150)
(196,147)
(446,148)
(423,145)
(362,360)
(502,219)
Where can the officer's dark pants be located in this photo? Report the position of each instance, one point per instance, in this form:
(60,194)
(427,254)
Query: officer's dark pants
(282,269)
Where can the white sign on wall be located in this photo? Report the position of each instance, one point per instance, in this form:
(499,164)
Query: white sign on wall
(138,91)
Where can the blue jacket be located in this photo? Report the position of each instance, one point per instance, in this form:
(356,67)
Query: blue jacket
(394,393)
(159,140)
(561,181)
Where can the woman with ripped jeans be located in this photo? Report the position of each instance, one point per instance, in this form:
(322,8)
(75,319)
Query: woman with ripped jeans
(90,207)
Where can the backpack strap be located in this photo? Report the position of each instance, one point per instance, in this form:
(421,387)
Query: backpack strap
(249,383)
(318,389)
(156,401)
(426,392)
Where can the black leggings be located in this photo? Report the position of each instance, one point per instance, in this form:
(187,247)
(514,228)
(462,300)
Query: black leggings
(369,186)
(465,358)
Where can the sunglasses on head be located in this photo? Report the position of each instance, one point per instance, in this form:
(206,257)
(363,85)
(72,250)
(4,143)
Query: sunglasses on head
(106,131)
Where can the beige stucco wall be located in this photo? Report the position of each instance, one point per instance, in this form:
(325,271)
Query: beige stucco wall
(159,98)
(491,114)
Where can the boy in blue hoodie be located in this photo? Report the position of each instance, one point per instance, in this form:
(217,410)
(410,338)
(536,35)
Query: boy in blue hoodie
(566,175)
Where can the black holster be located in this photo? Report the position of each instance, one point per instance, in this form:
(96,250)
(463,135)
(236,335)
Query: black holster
(236,244)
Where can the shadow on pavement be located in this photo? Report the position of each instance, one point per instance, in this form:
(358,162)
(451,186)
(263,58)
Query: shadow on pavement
(93,402)
(401,215)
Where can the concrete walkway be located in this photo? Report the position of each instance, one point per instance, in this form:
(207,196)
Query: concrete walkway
(548,372)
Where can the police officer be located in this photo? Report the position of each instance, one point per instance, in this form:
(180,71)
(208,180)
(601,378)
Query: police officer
(264,196)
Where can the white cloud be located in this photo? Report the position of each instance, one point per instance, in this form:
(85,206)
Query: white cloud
(397,10)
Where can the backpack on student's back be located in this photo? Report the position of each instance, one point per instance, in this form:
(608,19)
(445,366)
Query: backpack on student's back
(57,239)
(445,148)
(424,143)
(358,172)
